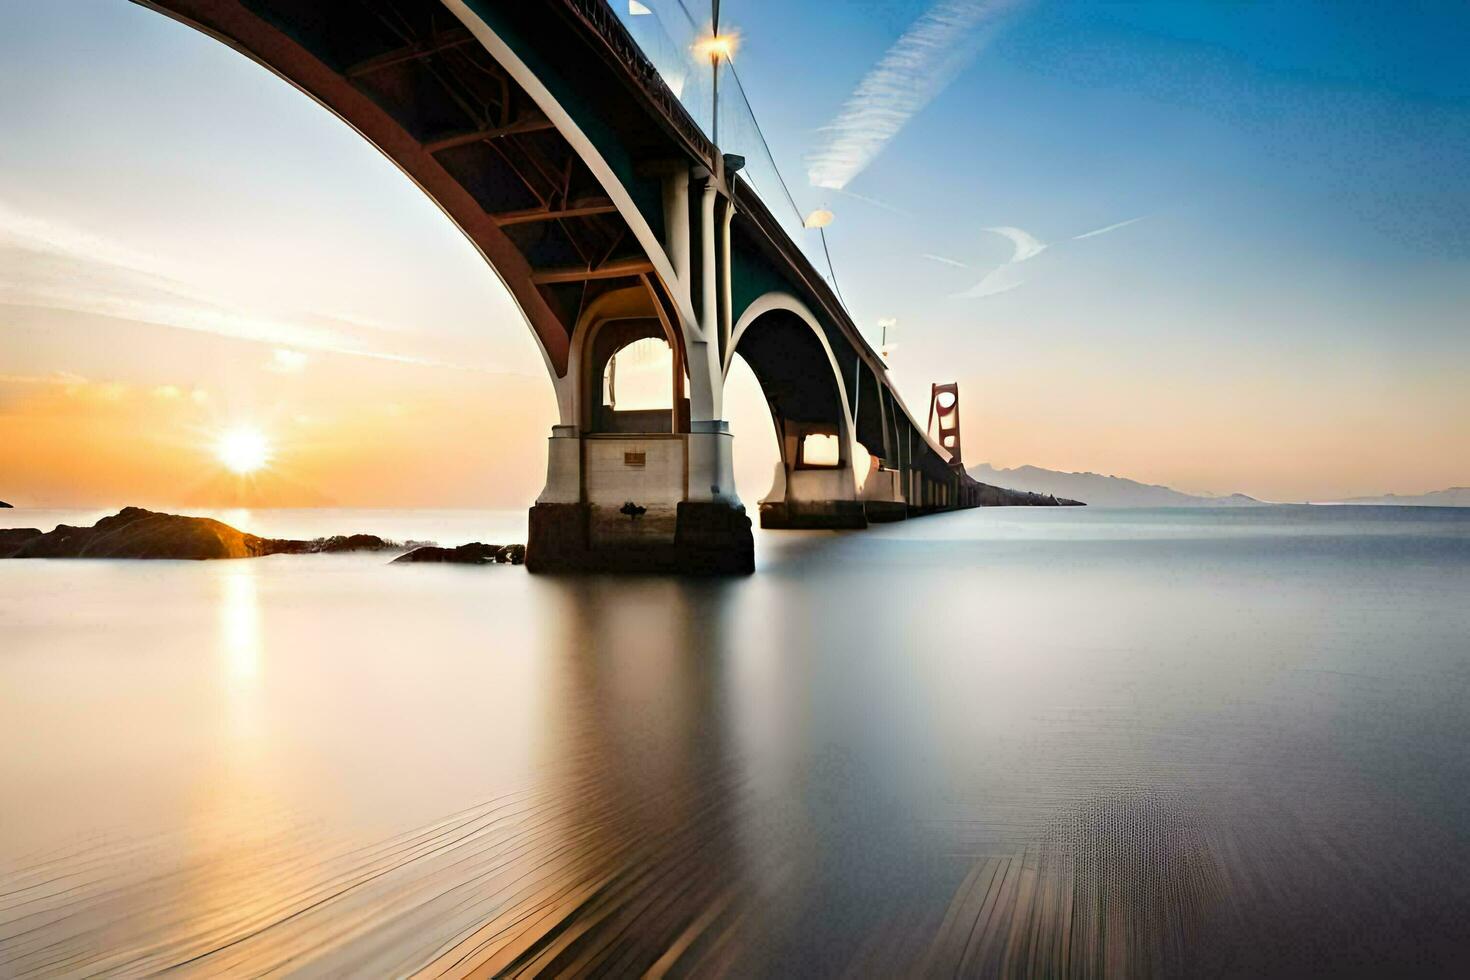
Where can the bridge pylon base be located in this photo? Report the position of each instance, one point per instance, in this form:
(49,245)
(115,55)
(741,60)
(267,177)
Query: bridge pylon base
(886,511)
(710,538)
(813,515)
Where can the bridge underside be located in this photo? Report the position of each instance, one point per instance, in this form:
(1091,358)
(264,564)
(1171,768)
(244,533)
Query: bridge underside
(544,134)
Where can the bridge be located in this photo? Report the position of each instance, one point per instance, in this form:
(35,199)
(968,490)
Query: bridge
(545,133)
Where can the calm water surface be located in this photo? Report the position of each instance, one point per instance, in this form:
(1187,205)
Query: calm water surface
(1230,742)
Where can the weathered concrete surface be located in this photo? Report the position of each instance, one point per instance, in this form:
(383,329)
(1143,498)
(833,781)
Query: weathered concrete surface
(885,511)
(709,538)
(820,515)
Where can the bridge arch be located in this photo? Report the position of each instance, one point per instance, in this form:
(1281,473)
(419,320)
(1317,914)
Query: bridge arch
(781,340)
(590,156)
(541,131)
(437,89)
(548,138)
(612,323)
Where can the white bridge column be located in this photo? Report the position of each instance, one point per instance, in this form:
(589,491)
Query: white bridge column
(805,495)
(711,465)
(652,501)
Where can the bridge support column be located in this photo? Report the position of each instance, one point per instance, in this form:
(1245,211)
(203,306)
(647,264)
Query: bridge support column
(882,495)
(636,502)
(620,497)
(808,493)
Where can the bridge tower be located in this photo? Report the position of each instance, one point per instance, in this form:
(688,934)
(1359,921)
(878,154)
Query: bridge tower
(944,407)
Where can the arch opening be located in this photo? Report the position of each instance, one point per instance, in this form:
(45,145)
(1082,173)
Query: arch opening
(814,484)
(633,378)
(796,376)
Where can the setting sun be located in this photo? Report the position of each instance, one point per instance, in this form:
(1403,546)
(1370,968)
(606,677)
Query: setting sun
(243,450)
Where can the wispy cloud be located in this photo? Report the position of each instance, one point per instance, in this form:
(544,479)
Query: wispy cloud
(1007,275)
(918,66)
(48,264)
(1024,246)
(1001,279)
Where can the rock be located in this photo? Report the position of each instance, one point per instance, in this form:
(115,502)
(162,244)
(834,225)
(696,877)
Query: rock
(332,545)
(468,554)
(11,539)
(4,504)
(992,496)
(137,533)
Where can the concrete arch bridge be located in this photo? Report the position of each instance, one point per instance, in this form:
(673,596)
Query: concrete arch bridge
(542,130)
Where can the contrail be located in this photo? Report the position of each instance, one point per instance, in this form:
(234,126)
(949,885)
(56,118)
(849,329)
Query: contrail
(883,205)
(1024,245)
(942,260)
(918,66)
(1104,231)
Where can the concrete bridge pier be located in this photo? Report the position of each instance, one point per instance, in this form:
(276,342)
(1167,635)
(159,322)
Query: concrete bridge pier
(631,502)
(645,487)
(814,487)
(882,494)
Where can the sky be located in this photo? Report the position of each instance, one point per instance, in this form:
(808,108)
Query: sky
(1223,246)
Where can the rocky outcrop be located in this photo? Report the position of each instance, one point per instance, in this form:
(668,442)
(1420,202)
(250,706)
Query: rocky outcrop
(993,496)
(1103,491)
(12,538)
(468,554)
(336,543)
(137,533)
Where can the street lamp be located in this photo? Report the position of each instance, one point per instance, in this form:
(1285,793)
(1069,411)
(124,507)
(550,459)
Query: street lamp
(716,47)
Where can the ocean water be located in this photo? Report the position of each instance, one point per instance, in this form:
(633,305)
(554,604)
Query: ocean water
(998,742)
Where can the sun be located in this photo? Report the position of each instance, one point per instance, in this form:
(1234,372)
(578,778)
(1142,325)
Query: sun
(243,449)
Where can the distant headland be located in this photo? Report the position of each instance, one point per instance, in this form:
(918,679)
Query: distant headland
(1117,491)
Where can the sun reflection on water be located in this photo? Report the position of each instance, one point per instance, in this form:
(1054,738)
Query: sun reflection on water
(239,619)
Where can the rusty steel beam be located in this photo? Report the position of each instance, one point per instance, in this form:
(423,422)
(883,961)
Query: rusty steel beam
(542,214)
(481,135)
(608,270)
(413,52)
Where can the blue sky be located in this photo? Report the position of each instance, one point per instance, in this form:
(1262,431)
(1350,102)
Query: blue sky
(1284,315)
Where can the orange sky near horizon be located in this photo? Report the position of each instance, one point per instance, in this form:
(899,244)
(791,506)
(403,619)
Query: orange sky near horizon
(135,420)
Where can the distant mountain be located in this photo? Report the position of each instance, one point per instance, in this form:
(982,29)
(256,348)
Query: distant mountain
(1453,497)
(1101,491)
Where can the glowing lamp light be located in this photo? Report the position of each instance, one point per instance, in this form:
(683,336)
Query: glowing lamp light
(820,218)
(243,450)
(717,47)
